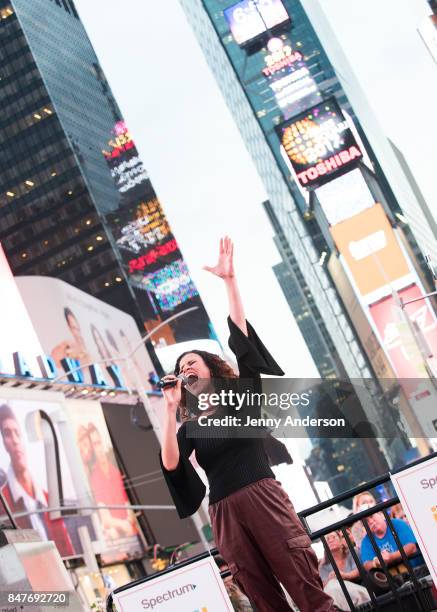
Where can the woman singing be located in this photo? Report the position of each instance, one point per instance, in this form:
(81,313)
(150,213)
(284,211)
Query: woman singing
(254,523)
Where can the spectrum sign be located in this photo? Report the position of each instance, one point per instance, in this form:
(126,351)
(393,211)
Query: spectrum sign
(319,144)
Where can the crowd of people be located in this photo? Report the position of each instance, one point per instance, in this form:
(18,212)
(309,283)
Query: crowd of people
(364,549)
(344,558)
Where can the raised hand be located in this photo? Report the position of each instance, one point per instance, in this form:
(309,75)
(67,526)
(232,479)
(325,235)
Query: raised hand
(225,265)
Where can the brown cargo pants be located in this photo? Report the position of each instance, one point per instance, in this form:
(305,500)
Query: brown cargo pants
(263,541)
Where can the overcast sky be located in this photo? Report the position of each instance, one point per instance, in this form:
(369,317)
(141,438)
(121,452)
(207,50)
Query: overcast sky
(197,160)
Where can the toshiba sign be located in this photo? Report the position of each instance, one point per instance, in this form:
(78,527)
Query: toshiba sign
(319,144)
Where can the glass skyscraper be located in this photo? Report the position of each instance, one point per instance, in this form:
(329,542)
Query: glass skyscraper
(75,199)
(341,462)
(255,108)
(281,88)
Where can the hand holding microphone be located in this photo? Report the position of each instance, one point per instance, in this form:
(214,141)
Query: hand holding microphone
(171,381)
(171,386)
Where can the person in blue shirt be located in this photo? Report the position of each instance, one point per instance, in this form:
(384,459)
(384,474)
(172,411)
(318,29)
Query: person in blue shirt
(386,542)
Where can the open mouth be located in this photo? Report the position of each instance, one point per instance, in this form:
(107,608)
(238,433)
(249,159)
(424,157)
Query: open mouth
(191,379)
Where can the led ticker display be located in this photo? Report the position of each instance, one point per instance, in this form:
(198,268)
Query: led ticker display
(140,263)
(250,18)
(319,144)
(295,91)
(171,285)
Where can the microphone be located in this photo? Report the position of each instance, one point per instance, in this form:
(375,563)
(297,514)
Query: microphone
(166,384)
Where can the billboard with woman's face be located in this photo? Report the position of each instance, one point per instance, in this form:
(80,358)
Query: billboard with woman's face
(72,324)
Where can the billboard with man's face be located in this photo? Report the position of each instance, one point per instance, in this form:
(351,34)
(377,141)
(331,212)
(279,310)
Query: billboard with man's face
(29,480)
(89,486)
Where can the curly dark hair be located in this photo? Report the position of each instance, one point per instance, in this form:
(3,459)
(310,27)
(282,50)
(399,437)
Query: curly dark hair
(218,369)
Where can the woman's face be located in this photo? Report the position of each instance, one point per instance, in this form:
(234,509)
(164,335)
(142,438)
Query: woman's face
(85,448)
(333,541)
(192,364)
(365,501)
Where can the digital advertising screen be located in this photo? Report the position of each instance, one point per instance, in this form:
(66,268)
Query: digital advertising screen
(371,251)
(250,18)
(78,326)
(345,197)
(171,285)
(149,251)
(289,77)
(319,144)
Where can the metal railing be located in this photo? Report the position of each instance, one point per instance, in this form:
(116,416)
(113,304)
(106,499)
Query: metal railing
(413,595)
(414,592)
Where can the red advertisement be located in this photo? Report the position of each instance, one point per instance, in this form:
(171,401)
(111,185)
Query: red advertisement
(121,533)
(406,352)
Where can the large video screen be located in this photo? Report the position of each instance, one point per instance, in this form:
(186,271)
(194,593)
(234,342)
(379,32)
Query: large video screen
(171,285)
(250,18)
(149,251)
(319,144)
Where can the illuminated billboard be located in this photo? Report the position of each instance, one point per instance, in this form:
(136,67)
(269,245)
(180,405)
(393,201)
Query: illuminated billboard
(16,330)
(251,18)
(345,197)
(370,249)
(127,169)
(171,285)
(72,324)
(150,254)
(319,144)
(289,78)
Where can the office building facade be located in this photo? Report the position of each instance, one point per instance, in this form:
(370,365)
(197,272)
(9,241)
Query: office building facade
(75,199)
(340,462)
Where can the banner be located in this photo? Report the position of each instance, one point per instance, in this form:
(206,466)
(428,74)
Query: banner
(28,477)
(197,587)
(121,532)
(417,491)
(72,324)
(370,249)
(397,336)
